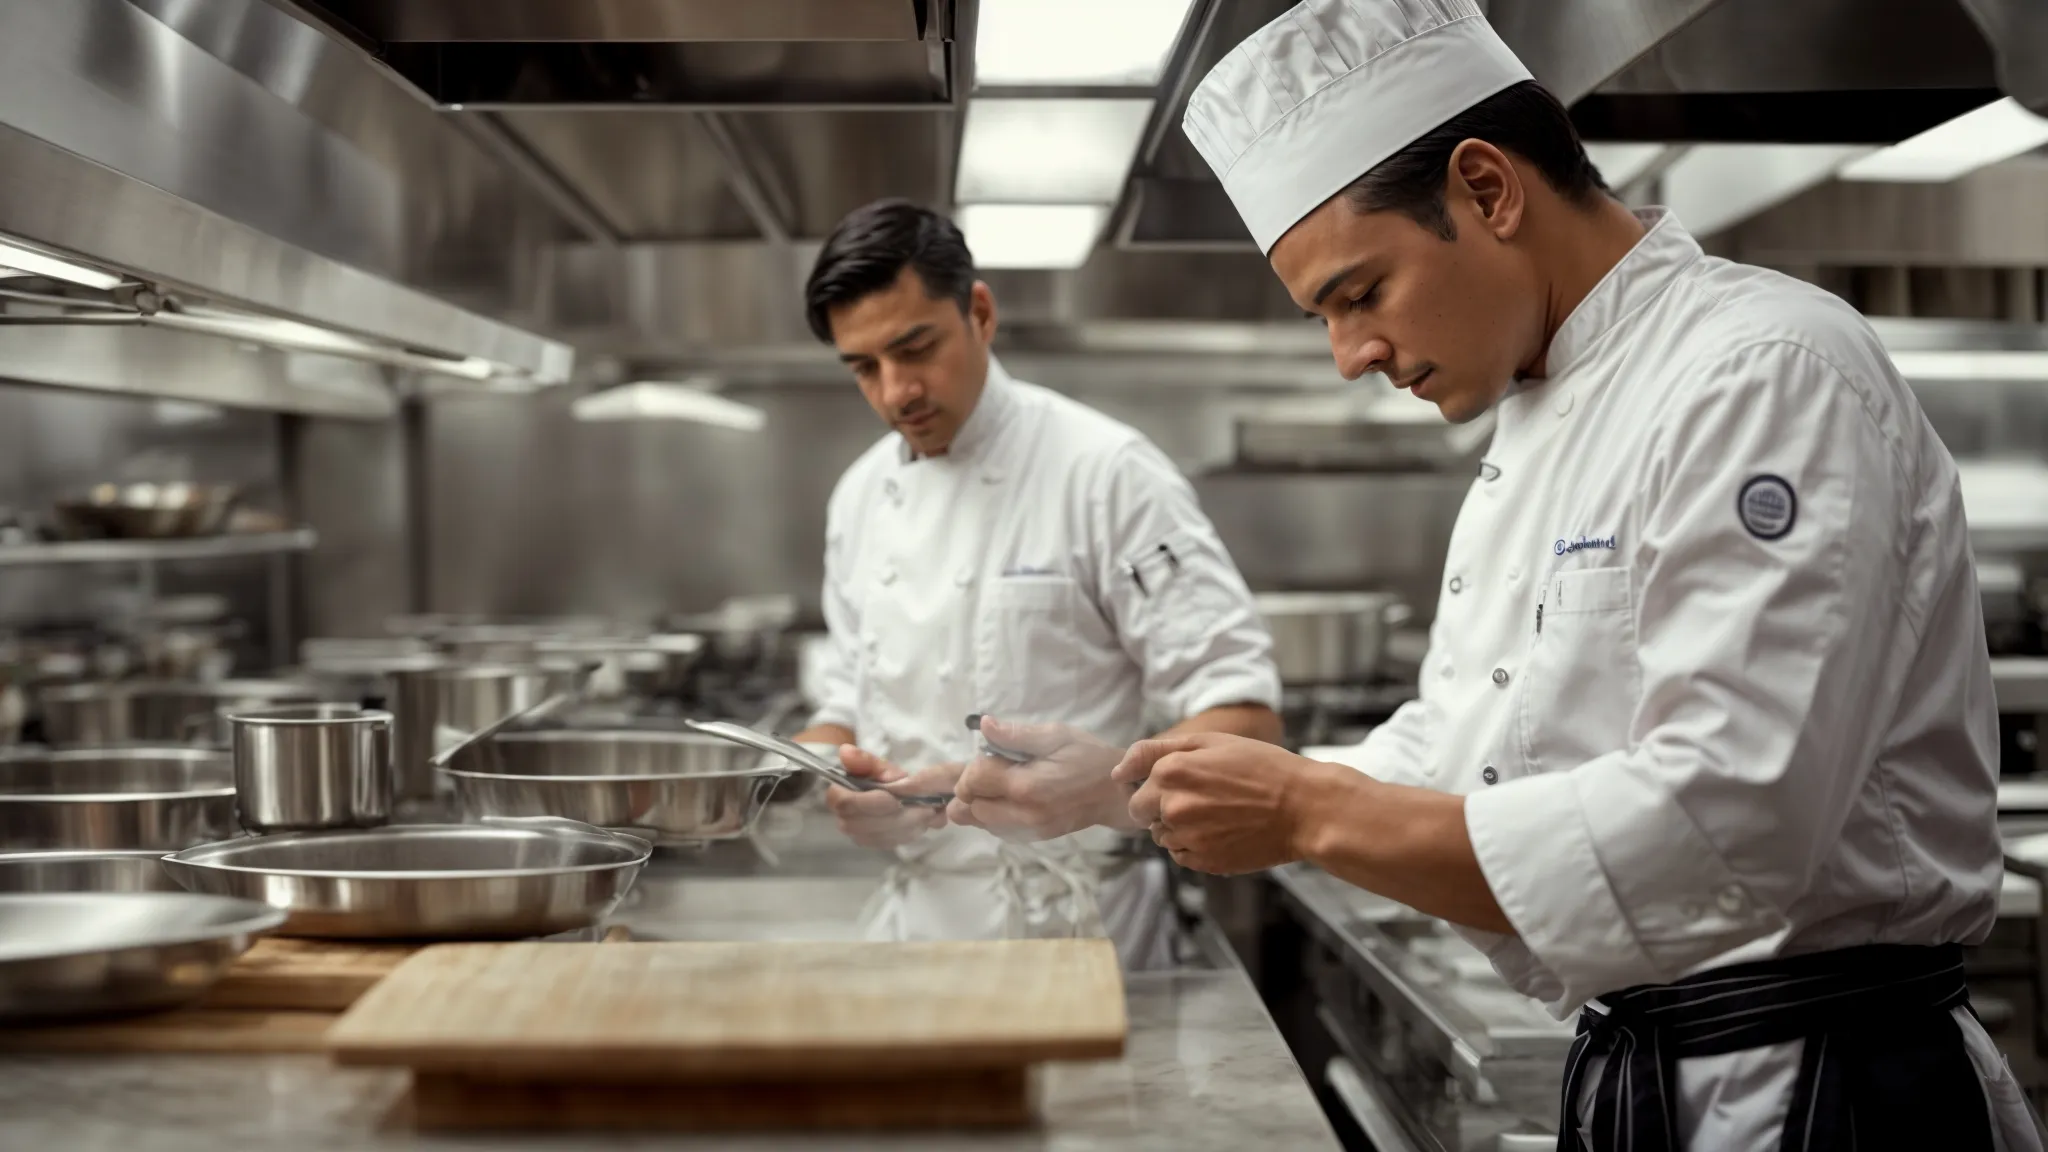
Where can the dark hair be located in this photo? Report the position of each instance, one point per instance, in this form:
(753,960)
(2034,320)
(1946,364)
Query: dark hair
(1524,119)
(872,247)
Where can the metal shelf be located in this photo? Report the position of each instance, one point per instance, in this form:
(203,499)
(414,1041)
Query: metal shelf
(148,551)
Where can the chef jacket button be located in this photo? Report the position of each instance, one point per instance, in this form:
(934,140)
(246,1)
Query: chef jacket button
(1457,585)
(888,576)
(1564,404)
(946,670)
(1731,900)
(1500,677)
(874,643)
(964,577)
(1514,575)
(1491,775)
(1448,672)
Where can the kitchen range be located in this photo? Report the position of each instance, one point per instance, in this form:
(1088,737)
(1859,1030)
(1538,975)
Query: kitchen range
(444,545)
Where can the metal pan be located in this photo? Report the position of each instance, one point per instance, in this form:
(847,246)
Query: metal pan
(138,871)
(115,798)
(76,954)
(670,787)
(506,880)
(807,760)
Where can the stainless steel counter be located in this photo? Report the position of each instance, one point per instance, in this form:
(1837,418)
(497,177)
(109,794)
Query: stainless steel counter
(1205,1068)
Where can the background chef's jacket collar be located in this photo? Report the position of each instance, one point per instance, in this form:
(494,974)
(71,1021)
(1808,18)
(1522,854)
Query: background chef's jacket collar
(1665,250)
(984,424)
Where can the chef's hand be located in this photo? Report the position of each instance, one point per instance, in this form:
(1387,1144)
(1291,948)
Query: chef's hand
(877,819)
(1064,788)
(1221,804)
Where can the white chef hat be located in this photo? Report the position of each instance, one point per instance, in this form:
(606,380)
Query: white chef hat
(1320,96)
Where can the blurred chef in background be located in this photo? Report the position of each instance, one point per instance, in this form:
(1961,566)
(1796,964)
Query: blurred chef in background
(1004,549)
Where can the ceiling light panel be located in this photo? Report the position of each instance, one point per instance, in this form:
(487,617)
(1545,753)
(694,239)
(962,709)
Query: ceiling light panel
(1998,131)
(1621,164)
(662,400)
(1716,186)
(1049,151)
(1075,42)
(1032,235)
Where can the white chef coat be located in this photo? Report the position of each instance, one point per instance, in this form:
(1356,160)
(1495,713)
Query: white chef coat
(998,578)
(1710,663)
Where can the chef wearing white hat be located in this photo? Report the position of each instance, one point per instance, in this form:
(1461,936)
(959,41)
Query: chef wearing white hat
(1706,746)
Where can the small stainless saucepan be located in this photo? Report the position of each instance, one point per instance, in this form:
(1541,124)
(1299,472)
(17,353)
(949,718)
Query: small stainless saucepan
(311,766)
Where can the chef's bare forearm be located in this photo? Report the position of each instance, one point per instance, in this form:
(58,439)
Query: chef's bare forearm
(833,734)
(1254,721)
(1407,844)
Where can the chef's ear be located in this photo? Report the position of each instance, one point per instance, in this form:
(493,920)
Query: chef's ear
(1484,180)
(981,312)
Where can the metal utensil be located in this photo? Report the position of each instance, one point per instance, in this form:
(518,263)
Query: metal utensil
(74,954)
(671,787)
(312,766)
(424,881)
(135,871)
(807,760)
(115,798)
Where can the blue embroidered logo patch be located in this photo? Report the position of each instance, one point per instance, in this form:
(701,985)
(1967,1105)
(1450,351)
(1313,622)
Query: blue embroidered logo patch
(1567,547)
(1767,507)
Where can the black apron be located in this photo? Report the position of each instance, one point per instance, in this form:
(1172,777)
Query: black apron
(1884,1064)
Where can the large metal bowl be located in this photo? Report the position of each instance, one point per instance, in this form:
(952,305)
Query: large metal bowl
(1329,637)
(136,871)
(670,787)
(147,511)
(115,798)
(424,881)
(66,955)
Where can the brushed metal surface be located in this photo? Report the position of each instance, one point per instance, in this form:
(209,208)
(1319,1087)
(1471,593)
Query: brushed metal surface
(156,798)
(458,698)
(97,715)
(84,871)
(424,881)
(311,766)
(670,787)
(72,955)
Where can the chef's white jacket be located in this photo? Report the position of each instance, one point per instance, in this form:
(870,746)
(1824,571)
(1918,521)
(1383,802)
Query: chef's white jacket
(1709,659)
(1053,565)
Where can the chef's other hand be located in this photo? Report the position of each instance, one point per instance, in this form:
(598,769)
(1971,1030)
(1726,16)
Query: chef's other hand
(878,819)
(1218,803)
(1064,788)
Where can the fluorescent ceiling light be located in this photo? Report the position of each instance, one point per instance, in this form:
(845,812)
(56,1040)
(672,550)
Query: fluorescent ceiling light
(1109,42)
(661,400)
(1972,365)
(1032,235)
(1049,151)
(43,264)
(1715,186)
(1998,131)
(1621,164)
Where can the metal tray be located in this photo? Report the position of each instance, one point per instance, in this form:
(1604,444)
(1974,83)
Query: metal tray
(670,787)
(115,799)
(136,871)
(79,954)
(504,880)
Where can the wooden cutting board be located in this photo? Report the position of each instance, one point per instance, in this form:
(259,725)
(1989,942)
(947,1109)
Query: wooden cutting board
(187,1030)
(278,973)
(735,1036)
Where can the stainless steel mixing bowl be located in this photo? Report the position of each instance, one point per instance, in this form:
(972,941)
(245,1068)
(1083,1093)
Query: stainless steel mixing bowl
(115,798)
(425,881)
(68,955)
(670,787)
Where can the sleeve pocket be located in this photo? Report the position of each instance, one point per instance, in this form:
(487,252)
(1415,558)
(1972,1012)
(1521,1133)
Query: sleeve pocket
(1589,590)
